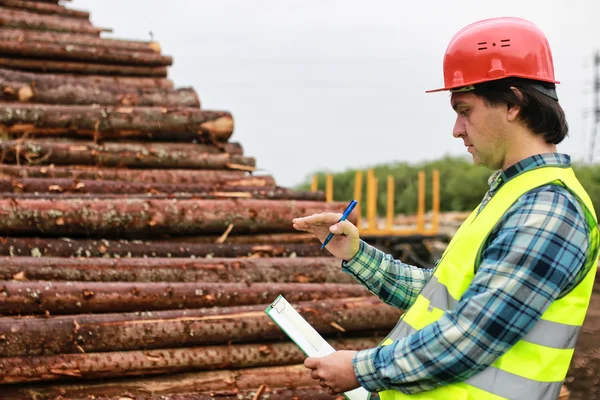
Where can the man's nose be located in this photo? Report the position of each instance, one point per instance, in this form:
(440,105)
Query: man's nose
(459,128)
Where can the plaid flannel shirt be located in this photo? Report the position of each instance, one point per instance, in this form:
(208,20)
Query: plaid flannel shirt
(534,254)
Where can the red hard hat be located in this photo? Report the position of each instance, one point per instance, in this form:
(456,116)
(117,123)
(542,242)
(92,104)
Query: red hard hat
(494,49)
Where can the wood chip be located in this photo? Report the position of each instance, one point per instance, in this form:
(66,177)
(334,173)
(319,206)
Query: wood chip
(20,276)
(336,326)
(223,237)
(240,167)
(259,392)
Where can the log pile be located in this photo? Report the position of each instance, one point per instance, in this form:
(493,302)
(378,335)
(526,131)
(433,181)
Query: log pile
(140,246)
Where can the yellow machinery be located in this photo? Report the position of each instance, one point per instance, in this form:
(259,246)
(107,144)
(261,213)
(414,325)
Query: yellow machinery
(398,241)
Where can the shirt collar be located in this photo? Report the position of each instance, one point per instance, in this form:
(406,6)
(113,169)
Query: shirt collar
(498,178)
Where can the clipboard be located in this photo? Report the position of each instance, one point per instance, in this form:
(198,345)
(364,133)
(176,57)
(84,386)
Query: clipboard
(305,337)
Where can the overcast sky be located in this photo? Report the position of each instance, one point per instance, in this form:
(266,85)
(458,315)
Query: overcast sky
(326,84)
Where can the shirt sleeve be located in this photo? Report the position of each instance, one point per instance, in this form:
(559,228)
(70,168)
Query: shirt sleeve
(534,253)
(394,282)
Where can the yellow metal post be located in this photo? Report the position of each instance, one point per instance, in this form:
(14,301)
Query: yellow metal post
(436,201)
(358,180)
(329,188)
(389,223)
(315,184)
(375,195)
(421,204)
(371,199)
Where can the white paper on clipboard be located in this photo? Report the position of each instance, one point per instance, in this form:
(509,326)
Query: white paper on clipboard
(305,337)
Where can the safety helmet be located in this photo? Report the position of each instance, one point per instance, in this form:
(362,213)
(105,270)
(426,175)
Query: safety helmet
(497,48)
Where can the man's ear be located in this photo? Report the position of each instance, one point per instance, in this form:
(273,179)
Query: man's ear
(514,110)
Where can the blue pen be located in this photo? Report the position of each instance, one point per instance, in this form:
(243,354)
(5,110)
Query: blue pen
(347,212)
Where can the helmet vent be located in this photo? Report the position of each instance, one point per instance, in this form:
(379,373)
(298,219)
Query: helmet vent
(482,46)
(505,43)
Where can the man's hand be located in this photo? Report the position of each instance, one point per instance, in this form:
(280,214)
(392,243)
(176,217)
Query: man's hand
(345,244)
(334,371)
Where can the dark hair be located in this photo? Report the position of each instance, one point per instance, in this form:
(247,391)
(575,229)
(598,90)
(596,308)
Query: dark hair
(541,113)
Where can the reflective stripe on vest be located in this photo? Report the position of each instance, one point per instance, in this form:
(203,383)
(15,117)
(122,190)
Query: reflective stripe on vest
(536,365)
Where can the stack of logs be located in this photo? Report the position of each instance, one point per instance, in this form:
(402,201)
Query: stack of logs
(139,246)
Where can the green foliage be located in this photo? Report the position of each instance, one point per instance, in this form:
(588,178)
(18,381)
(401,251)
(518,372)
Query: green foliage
(462,184)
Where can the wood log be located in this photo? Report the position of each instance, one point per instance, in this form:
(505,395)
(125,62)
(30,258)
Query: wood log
(229,193)
(23,35)
(136,155)
(41,297)
(233,381)
(268,269)
(130,154)
(44,8)
(166,176)
(46,1)
(308,393)
(138,218)
(60,145)
(36,336)
(10,18)
(84,53)
(177,124)
(132,363)
(260,393)
(73,67)
(82,248)
(40,188)
(58,89)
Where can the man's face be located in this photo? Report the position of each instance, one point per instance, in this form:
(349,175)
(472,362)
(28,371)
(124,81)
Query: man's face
(482,128)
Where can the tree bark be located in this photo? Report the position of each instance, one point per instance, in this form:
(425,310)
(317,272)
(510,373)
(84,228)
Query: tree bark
(166,176)
(41,297)
(132,363)
(136,155)
(288,377)
(81,67)
(267,238)
(248,270)
(48,247)
(176,124)
(140,82)
(312,393)
(83,53)
(44,8)
(139,218)
(10,18)
(85,80)
(62,90)
(23,35)
(28,336)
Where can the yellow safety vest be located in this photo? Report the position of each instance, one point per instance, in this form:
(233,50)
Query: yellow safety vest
(535,367)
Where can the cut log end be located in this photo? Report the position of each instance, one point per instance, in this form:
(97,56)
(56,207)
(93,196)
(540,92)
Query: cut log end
(154,46)
(219,126)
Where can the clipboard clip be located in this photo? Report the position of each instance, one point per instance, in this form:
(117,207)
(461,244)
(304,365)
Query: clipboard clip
(279,304)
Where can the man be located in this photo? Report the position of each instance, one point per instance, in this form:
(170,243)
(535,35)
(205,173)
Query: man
(499,315)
